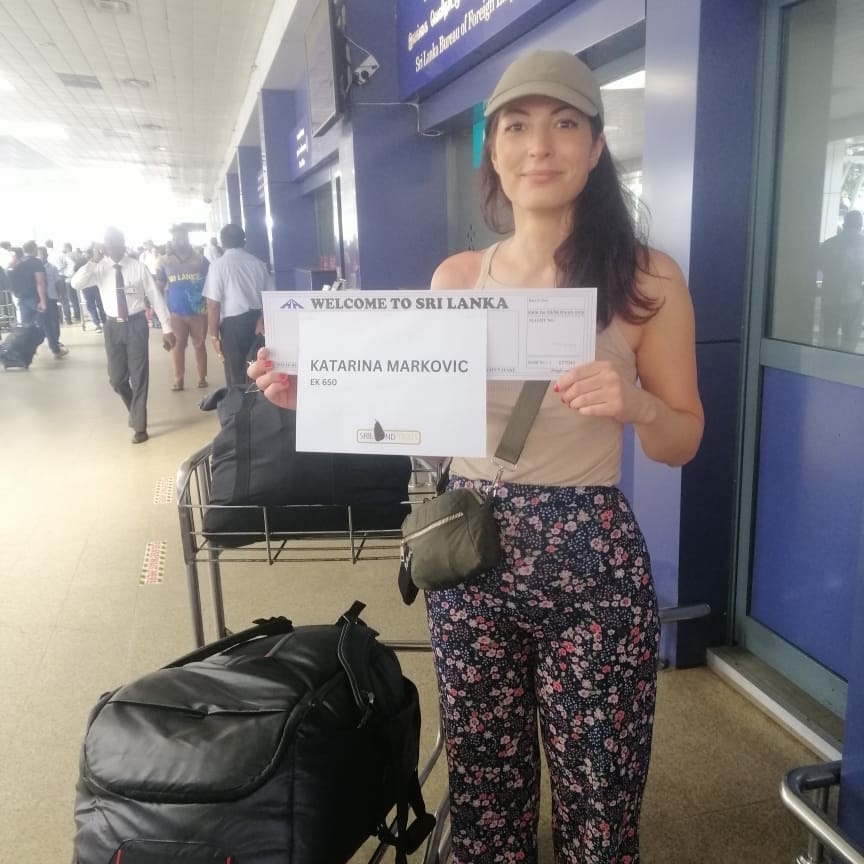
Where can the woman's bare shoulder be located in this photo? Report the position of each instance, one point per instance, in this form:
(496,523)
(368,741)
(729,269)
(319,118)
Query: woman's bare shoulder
(661,277)
(459,271)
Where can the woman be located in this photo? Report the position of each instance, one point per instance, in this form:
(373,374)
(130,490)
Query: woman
(566,628)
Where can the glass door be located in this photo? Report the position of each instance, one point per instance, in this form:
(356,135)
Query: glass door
(802,475)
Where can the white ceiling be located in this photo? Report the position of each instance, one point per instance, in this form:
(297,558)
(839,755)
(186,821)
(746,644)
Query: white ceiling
(173,82)
(168,78)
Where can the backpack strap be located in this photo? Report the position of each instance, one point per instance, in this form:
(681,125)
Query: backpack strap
(404,750)
(355,644)
(263,627)
(355,641)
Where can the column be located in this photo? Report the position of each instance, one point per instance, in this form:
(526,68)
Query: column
(232,190)
(671,55)
(398,174)
(290,216)
(701,74)
(252,201)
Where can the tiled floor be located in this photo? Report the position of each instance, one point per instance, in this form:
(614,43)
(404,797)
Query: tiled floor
(76,513)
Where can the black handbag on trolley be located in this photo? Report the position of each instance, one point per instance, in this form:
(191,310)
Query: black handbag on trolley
(277,745)
(258,475)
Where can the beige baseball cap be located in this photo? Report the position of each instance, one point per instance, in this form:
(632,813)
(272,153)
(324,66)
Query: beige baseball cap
(556,74)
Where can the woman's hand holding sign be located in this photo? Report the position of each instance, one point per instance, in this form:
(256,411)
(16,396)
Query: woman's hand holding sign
(279,388)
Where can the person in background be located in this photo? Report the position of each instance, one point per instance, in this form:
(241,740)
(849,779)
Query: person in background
(212,250)
(181,277)
(28,284)
(234,305)
(51,315)
(563,635)
(58,260)
(69,267)
(841,260)
(6,256)
(90,293)
(150,258)
(123,284)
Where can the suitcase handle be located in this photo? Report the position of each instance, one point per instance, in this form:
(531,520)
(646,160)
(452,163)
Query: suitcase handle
(263,627)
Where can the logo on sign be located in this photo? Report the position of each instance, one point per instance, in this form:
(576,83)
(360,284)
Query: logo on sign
(291,304)
(388,436)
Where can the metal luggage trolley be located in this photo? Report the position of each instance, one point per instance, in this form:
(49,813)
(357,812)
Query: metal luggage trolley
(193,486)
(269,546)
(8,315)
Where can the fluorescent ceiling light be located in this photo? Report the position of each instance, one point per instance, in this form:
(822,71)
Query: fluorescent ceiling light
(636,81)
(6,86)
(33,130)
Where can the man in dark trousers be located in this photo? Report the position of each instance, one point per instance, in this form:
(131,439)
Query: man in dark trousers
(29,286)
(234,305)
(124,283)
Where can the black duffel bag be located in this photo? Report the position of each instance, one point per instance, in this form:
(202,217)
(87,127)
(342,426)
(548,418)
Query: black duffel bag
(278,745)
(255,465)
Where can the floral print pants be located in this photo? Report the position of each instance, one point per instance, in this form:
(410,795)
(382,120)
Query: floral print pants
(566,629)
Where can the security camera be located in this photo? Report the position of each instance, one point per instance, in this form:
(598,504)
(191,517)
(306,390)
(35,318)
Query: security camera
(365,70)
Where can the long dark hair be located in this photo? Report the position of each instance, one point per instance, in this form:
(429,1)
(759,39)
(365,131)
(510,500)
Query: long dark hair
(603,248)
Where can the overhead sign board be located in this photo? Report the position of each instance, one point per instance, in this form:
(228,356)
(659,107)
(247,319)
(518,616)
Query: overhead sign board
(440,36)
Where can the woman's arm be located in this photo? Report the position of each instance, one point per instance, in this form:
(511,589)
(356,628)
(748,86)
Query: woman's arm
(665,410)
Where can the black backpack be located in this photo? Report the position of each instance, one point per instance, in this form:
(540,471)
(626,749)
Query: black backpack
(277,745)
(255,462)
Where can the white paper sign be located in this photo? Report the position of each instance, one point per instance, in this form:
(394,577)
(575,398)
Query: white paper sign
(414,384)
(532,334)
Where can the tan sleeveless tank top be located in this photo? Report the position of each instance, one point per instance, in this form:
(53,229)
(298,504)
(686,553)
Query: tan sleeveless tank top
(564,448)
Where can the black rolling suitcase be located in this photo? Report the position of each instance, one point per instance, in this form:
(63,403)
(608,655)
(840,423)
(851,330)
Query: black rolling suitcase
(278,745)
(18,348)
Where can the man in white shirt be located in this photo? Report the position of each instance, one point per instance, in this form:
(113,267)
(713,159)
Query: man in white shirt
(68,271)
(234,305)
(124,283)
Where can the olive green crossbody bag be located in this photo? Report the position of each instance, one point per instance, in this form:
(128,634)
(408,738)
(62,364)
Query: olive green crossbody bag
(454,536)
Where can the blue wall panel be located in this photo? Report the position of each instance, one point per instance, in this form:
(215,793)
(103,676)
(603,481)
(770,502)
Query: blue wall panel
(290,215)
(728,66)
(252,201)
(808,517)
(729,33)
(708,491)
